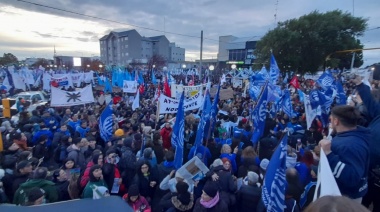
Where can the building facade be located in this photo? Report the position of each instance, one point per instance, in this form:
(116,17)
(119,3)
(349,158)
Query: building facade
(122,48)
(234,50)
(176,54)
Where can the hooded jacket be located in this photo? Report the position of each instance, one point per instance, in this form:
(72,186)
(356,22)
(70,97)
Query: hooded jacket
(349,161)
(51,193)
(373,108)
(77,156)
(171,200)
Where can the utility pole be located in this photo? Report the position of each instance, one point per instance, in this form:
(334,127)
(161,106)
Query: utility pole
(200,59)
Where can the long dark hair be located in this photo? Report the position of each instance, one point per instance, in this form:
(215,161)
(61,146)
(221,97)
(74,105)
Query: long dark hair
(91,175)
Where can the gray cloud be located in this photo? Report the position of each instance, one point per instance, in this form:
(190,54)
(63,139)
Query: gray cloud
(244,18)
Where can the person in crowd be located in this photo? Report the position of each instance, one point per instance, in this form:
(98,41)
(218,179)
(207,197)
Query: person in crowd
(157,147)
(146,179)
(166,166)
(335,203)
(136,200)
(202,152)
(127,162)
(43,131)
(92,146)
(21,175)
(222,175)
(166,136)
(66,117)
(36,118)
(74,123)
(210,200)
(308,194)
(50,121)
(250,162)
(249,195)
(38,180)
(111,172)
(148,154)
(82,130)
(61,132)
(226,152)
(60,179)
(19,140)
(76,152)
(182,200)
(40,150)
(35,196)
(348,152)
(95,180)
(97,159)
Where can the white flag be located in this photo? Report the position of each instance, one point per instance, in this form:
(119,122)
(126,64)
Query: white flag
(136,101)
(326,184)
(60,98)
(310,113)
(223,80)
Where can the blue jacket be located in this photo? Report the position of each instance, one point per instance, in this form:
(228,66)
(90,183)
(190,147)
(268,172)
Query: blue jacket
(49,125)
(38,134)
(202,152)
(373,108)
(349,161)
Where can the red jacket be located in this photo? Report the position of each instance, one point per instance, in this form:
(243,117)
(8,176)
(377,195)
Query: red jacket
(86,175)
(165,134)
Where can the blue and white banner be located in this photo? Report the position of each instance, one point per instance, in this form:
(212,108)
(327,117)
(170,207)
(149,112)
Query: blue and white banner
(259,115)
(274,70)
(273,193)
(106,123)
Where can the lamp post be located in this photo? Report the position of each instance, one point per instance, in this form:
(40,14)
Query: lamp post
(233,66)
(183,66)
(100,67)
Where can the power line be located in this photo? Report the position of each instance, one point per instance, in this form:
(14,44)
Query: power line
(122,23)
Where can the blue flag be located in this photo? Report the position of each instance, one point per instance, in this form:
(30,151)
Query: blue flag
(274,70)
(286,104)
(214,109)
(202,132)
(259,116)
(178,133)
(273,193)
(106,123)
(107,86)
(341,98)
(326,80)
(154,80)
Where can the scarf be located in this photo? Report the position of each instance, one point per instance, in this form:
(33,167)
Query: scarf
(210,203)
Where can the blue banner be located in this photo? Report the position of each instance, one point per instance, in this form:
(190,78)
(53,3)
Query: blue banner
(178,133)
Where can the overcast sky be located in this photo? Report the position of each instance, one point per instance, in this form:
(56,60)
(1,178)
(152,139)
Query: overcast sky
(32,31)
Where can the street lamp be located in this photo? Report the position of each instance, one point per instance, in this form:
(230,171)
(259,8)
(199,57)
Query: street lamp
(55,66)
(233,66)
(183,66)
(211,68)
(154,66)
(88,66)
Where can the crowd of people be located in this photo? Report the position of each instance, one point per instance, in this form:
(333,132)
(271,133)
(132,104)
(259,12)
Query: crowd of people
(58,154)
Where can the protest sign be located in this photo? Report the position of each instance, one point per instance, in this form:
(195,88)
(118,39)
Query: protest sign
(193,169)
(170,105)
(129,86)
(189,90)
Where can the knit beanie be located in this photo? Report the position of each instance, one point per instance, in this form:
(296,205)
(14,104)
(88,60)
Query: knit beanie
(119,133)
(211,189)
